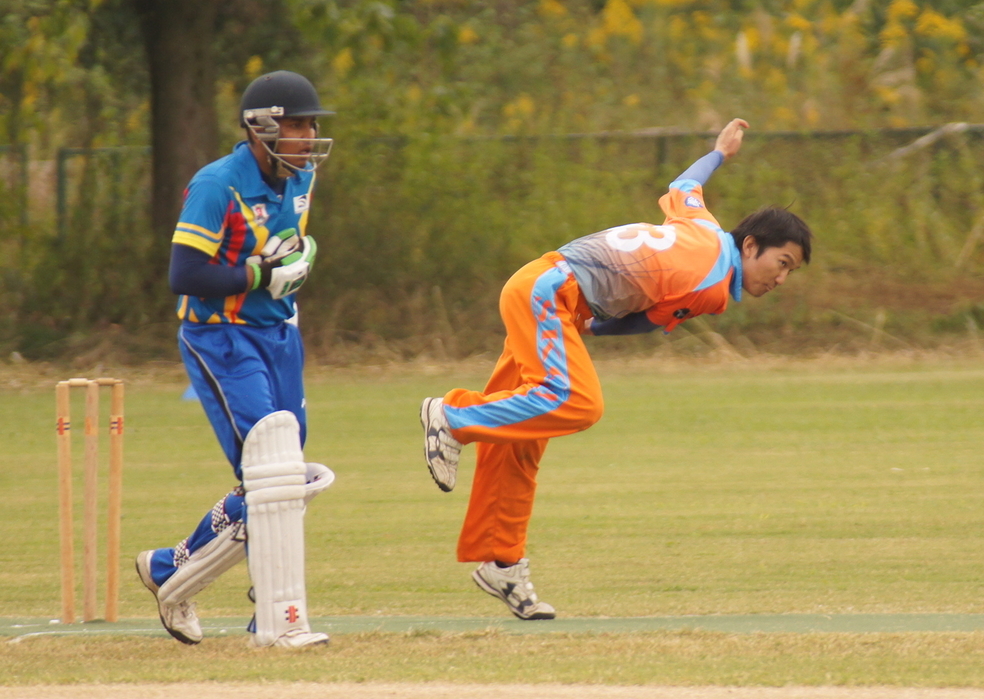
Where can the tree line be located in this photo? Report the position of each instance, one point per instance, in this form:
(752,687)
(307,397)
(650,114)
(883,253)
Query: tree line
(168,73)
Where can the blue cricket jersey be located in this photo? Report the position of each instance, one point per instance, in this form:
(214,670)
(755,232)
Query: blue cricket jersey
(229,213)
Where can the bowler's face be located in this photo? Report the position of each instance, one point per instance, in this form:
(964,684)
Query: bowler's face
(760,274)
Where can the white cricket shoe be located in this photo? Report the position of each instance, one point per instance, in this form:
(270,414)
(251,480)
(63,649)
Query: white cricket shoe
(179,619)
(441,449)
(512,585)
(295,639)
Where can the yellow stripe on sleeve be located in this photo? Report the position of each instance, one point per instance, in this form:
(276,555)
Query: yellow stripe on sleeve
(195,241)
(204,232)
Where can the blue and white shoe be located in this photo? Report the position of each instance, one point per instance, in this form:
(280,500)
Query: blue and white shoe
(441,449)
(512,585)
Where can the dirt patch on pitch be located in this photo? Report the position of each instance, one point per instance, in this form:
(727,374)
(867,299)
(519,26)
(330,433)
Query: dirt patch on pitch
(309,690)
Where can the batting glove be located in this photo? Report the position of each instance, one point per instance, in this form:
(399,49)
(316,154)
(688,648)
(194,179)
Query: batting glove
(283,276)
(278,246)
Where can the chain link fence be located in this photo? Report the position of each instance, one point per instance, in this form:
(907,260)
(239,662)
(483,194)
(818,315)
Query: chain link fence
(417,235)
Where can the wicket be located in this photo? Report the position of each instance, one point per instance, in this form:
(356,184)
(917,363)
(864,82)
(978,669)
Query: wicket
(63,428)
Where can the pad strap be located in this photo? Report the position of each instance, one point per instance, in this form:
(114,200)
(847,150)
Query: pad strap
(318,477)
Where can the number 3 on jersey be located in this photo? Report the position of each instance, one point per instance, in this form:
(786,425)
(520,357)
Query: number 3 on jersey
(633,236)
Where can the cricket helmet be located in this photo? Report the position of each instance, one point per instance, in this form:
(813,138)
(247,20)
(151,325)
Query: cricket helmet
(278,95)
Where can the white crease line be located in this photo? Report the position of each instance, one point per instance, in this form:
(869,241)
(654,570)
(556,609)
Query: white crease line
(79,632)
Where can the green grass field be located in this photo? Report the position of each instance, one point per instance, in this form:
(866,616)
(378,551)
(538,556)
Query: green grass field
(744,487)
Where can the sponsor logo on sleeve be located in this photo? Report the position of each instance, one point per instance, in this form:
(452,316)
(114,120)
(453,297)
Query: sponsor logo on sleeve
(693,202)
(301,204)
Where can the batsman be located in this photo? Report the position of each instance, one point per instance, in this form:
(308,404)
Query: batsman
(628,279)
(239,254)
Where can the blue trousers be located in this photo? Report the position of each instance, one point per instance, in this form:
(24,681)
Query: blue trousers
(241,374)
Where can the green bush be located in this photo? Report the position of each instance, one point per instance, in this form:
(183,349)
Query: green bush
(418,235)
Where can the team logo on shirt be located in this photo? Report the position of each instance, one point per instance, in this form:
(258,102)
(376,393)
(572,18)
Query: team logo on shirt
(301,203)
(693,202)
(260,214)
(681,313)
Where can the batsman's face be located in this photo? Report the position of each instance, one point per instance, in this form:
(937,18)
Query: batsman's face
(762,270)
(296,152)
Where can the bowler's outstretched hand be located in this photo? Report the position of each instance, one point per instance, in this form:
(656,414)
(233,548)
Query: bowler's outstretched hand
(729,140)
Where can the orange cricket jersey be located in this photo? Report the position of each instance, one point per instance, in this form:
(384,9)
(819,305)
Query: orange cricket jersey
(683,268)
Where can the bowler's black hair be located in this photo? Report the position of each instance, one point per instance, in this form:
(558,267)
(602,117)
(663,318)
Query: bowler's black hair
(773,227)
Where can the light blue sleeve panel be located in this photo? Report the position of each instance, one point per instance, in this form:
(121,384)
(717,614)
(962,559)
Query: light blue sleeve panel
(703,168)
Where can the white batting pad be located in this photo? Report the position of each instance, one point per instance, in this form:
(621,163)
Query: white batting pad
(274,476)
(204,566)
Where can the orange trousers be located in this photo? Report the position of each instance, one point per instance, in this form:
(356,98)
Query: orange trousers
(544,385)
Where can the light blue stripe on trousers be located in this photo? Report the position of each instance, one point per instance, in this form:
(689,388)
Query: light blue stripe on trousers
(556,386)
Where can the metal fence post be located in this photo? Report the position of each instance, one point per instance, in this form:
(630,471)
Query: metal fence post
(61,207)
(25,185)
